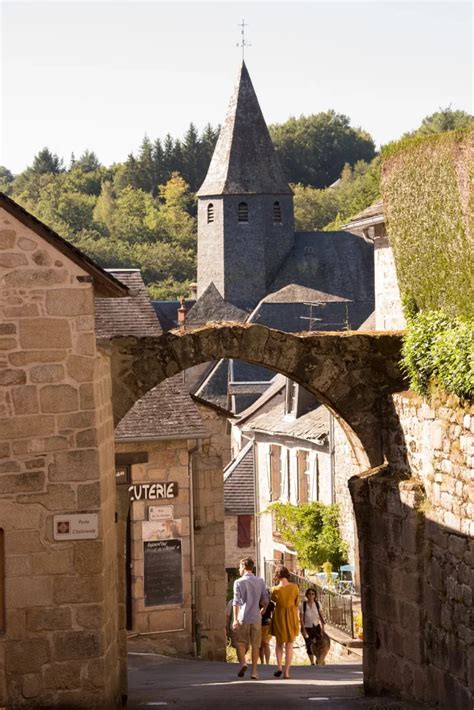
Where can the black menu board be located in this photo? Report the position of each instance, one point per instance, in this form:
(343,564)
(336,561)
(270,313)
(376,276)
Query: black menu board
(163,573)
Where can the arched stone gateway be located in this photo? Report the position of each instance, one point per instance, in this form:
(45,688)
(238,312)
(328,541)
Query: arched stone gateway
(350,372)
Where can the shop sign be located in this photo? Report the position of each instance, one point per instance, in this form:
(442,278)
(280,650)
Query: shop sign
(153,491)
(76,527)
(163,512)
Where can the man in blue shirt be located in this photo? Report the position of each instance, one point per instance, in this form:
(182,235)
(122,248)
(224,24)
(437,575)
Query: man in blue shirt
(250,601)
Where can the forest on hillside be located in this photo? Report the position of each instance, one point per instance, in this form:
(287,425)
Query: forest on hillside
(142,213)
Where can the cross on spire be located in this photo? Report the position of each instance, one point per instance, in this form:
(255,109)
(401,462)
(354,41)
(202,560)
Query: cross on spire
(243,43)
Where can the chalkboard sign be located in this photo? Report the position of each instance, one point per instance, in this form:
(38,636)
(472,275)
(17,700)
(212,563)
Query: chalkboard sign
(163,573)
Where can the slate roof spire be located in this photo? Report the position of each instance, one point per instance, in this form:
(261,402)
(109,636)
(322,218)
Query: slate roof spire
(244,160)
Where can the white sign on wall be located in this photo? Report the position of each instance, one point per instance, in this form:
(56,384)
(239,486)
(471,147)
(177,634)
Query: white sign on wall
(83,526)
(162,512)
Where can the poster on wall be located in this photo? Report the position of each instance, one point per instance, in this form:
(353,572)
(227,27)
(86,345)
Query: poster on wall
(163,572)
(161,529)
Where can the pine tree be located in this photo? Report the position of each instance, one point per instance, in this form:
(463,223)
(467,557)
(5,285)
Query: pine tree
(47,162)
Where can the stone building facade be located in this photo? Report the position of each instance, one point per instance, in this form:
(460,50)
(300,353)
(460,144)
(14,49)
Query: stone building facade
(59,636)
(418,605)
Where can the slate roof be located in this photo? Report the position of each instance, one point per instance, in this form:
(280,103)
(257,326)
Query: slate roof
(133,315)
(167,312)
(312,426)
(244,160)
(373,212)
(239,483)
(214,386)
(336,263)
(211,307)
(105,284)
(165,412)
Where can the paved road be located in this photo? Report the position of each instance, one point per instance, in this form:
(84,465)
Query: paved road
(159,681)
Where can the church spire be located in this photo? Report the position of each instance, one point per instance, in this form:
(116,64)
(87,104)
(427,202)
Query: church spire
(244,160)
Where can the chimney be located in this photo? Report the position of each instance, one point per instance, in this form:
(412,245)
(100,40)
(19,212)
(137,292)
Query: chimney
(181,315)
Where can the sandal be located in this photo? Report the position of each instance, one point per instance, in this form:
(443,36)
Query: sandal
(278,674)
(242,671)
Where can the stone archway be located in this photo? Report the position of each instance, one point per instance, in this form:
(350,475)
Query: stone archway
(349,372)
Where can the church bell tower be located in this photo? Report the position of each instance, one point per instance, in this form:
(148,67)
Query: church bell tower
(245,206)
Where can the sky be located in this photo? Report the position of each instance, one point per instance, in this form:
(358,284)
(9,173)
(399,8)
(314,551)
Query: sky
(102,75)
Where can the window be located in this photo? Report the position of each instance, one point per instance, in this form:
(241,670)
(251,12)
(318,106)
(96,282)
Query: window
(276,213)
(243,212)
(210,213)
(244,530)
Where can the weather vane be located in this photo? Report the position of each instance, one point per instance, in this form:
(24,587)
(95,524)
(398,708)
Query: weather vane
(243,42)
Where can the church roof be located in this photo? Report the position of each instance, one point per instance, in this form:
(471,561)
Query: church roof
(244,160)
(211,307)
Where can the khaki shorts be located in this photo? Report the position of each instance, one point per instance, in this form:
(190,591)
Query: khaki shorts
(249,634)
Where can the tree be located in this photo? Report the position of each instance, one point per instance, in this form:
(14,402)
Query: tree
(174,223)
(314,208)
(313,149)
(312,530)
(443,120)
(87,163)
(47,162)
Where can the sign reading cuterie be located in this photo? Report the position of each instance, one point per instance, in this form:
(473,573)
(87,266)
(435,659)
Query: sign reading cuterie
(153,491)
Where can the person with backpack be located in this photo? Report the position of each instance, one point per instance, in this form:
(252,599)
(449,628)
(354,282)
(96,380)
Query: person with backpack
(312,621)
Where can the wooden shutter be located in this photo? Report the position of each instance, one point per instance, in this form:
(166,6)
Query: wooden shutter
(244,530)
(275,472)
(302,476)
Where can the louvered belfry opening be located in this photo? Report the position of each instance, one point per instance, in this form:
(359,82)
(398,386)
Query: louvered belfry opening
(243,212)
(210,212)
(276,213)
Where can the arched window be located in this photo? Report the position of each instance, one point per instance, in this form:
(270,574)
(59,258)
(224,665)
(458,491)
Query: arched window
(210,212)
(276,213)
(243,212)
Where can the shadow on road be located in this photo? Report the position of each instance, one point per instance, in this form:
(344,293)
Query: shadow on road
(159,681)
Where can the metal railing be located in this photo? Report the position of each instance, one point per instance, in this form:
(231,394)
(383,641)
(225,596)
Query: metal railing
(337,609)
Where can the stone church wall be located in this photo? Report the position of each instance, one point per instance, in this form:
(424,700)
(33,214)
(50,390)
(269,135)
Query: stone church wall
(59,641)
(415,525)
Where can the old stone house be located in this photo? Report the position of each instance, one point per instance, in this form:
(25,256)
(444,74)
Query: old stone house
(170,452)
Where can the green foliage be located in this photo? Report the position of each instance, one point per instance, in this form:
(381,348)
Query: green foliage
(440,349)
(312,530)
(428,224)
(358,187)
(443,120)
(313,149)
(47,162)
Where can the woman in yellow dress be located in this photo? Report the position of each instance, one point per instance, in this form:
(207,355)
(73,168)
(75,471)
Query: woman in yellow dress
(285,621)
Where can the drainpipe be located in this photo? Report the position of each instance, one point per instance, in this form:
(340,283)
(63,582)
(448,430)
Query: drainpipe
(195,624)
(256,518)
(331,458)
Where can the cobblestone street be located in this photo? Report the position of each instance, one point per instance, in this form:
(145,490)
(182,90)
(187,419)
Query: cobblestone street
(159,681)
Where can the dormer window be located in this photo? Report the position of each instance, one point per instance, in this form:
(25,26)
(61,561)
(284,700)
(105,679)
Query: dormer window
(210,213)
(276,213)
(243,212)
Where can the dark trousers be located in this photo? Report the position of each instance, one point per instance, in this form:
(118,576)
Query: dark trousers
(314,632)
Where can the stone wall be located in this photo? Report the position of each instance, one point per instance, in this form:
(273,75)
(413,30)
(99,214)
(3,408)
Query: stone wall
(59,645)
(415,531)
(345,466)
(213,453)
(170,624)
(234,553)
(388,307)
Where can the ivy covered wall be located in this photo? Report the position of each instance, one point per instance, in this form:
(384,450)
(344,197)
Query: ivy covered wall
(427,193)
